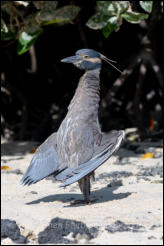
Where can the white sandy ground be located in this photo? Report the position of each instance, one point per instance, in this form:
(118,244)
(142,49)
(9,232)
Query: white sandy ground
(137,201)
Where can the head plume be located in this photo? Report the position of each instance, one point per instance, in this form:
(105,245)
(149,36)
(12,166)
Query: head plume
(110,62)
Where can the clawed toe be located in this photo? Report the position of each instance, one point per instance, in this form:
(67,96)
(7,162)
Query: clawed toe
(85,201)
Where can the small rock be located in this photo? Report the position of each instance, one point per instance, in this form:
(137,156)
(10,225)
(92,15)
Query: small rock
(122,161)
(142,178)
(33,192)
(115,183)
(16,171)
(120,226)
(154,226)
(115,174)
(151,171)
(10,229)
(160,181)
(58,231)
(151,237)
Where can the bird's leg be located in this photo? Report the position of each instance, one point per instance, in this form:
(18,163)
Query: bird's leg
(87,197)
(86,200)
(84,185)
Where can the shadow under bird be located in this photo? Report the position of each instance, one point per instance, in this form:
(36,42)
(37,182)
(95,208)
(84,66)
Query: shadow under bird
(78,147)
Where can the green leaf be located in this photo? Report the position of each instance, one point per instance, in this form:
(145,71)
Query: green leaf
(123,5)
(146,5)
(103,5)
(46,23)
(112,8)
(109,11)
(107,7)
(107,30)
(3,26)
(64,14)
(26,40)
(113,25)
(45,5)
(6,32)
(97,21)
(134,17)
(6,36)
(69,12)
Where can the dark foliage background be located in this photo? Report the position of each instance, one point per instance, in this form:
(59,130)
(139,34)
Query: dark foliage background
(35,97)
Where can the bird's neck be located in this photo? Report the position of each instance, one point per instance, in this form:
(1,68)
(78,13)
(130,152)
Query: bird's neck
(86,98)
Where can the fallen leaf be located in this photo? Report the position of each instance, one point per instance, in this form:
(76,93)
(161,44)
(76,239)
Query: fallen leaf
(4,167)
(32,151)
(147,155)
(151,124)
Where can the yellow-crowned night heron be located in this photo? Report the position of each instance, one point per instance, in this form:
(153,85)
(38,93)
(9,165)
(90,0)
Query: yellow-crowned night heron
(78,147)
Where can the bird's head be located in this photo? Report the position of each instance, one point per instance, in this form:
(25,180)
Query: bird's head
(88,59)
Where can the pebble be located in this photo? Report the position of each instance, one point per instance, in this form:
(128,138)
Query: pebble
(119,226)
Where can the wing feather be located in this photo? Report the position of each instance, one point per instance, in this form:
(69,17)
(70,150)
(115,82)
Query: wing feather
(86,168)
(44,162)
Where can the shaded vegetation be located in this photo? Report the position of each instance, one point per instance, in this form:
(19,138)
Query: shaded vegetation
(36,88)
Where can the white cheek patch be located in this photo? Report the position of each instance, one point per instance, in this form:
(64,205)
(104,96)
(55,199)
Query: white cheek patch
(78,62)
(94,60)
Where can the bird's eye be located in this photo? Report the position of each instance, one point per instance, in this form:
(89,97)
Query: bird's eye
(86,56)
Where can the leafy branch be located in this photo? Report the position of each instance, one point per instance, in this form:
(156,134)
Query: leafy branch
(110,15)
(17,23)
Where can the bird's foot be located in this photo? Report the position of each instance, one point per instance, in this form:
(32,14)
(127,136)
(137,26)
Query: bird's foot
(84,201)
